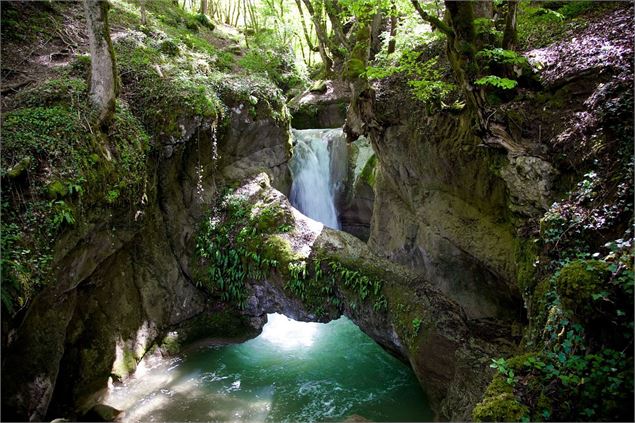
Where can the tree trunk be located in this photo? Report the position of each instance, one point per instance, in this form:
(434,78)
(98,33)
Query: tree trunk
(104,85)
(320,30)
(393,27)
(333,11)
(203,9)
(307,37)
(377,26)
(253,17)
(510,38)
(144,19)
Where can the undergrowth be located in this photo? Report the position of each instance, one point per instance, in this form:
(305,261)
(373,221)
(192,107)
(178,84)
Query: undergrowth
(55,166)
(239,243)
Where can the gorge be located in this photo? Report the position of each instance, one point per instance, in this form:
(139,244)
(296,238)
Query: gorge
(460,249)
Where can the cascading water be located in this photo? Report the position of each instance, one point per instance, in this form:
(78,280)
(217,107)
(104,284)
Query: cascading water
(317,166)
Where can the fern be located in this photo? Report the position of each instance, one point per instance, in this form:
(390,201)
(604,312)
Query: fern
(497,81)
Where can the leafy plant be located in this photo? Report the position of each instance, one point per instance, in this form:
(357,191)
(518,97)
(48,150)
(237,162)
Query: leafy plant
(427,84)
(416,325)
(497,82)
(503,368)
(501,56)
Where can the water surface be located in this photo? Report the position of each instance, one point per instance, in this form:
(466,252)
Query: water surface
(292,372)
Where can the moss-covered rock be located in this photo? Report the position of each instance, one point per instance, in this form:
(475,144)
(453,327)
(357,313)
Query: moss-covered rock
(579,285)
(319,87)
(169,47)
(499,404)
(56,189)
(20,168)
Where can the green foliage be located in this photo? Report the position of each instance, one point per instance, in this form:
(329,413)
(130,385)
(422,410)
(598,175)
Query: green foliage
(427,81)
(569,227)
(62,172)
(408,322)
(485,27)
(169,47)
(501,56)
(503,368)
(416,325)
(233,243)
(57,91)
(26,22)
(239,242)
(204,21)
(63,214)
(579,385)
(271,56)
(275,64)
(497,82)
(584,368)
(162,101)
(364,9)
(365,286)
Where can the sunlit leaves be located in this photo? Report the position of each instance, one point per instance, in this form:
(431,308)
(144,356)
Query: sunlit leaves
(497,81)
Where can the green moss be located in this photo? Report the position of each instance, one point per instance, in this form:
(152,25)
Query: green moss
(20,168)
(318,86)
(578,283)
(354,68)
(369,172)
(525,253)
(124,365)
(169,47)
(56,189)
(171,344)
(499,404)
(279,248)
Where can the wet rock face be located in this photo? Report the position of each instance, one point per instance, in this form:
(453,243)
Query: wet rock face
(122,279)
(439,210)
(356,204)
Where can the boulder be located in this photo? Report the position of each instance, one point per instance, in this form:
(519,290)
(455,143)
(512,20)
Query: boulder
(321,106)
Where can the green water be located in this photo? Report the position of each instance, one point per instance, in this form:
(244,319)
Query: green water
(292,372)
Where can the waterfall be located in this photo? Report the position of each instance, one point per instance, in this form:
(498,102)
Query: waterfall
(318,167)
